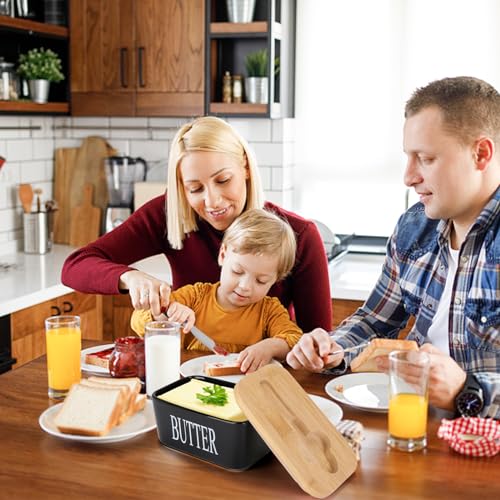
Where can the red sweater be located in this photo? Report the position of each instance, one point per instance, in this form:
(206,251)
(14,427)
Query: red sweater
(97,267)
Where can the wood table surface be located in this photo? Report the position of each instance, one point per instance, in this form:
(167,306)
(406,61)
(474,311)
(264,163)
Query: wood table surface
(37,465)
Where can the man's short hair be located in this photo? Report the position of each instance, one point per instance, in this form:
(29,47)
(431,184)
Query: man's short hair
(470,106)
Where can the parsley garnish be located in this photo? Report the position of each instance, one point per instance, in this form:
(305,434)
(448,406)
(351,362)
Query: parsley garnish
(215,395)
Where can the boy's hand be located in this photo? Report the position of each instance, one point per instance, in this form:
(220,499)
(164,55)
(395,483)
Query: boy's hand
(262,353)
(181,314)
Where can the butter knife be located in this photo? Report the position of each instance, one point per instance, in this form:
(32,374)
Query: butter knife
(349,349)
(202,337)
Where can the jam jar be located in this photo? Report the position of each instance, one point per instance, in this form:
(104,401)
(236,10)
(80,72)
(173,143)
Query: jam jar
(127,358)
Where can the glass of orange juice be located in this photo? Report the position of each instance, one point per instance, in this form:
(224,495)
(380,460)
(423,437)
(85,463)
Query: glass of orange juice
(408,381)
(64,343)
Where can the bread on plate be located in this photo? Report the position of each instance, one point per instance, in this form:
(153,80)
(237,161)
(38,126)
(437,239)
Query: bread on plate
(221,368)
(99,358)
(365,361)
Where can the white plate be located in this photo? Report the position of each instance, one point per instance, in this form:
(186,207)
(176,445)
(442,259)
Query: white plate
(366,391)
(332,411)
(195,366)
(96,370)
(143,421)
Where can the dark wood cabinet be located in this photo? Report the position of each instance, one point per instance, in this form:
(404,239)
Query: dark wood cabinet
(137,57)
(228,44)
(117,311)
(17,36)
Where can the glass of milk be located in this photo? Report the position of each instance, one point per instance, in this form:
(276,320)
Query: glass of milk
(163,354)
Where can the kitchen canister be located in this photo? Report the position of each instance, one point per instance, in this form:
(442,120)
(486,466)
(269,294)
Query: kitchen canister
(37,232)
(240,11)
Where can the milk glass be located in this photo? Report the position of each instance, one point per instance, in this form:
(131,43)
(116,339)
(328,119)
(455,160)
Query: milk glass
(408,400)
(64,343)
(163,354)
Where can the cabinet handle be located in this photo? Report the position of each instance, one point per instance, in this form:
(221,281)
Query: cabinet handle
(55,311)
(67,306)
(140,54)
(123,72)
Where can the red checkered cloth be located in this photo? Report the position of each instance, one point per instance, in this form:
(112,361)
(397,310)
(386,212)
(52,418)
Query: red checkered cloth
(474,436)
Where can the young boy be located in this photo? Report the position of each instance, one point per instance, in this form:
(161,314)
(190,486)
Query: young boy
(257,250)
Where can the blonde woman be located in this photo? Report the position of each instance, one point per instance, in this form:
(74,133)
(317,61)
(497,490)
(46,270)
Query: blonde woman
(258,250)
(212,179)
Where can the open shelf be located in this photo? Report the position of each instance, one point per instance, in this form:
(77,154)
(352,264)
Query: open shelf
(33,27)
(33,107)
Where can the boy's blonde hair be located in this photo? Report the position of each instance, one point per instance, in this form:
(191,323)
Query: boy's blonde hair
(210,134)
(259,231)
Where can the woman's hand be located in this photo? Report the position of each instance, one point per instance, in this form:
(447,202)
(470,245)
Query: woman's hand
(181,314)
(146,292)
(312,352)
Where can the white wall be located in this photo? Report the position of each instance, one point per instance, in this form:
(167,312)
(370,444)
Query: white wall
(357,63)
(30,155)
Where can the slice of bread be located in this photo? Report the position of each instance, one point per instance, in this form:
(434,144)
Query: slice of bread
(220,368)
(90,411)
(99,358)
(365,361)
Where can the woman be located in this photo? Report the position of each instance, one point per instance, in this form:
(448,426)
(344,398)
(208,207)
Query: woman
(212,178)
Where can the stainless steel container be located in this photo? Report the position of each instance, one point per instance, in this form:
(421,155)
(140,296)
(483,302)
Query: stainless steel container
(256,89)
(37,232)
(240,11)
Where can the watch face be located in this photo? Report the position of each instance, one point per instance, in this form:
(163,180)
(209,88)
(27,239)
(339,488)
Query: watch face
(469,404)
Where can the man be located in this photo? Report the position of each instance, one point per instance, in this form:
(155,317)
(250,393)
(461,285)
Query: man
(443,259)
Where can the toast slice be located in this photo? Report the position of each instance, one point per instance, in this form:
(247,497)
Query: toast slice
(99,358)
(221,368)
(90,411)
(365,361)
(131,385)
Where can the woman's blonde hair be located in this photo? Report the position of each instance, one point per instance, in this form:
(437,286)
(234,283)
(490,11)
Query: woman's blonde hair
(210,134)
(258,232)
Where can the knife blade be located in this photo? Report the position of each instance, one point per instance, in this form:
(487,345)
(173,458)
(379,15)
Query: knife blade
(202,337)
(349,349)
(208,342)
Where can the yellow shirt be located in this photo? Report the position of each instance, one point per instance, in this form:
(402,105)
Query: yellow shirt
(234,330)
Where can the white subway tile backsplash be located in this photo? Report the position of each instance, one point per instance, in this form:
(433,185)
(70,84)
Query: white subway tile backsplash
(149,150)
(268,153)
(43,149)
(30,155)
(33,171)
(255,130)
(19,150)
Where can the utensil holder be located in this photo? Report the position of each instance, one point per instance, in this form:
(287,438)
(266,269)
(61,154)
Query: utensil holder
(37,233)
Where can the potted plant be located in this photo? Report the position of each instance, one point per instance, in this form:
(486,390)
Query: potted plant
(40,67)
(257,82)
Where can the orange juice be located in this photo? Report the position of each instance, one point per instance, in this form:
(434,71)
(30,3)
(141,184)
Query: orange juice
(63,357)
(408,416)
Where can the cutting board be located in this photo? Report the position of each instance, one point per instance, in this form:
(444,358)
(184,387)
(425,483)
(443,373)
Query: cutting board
(301,437)
(85,220)
(74,167)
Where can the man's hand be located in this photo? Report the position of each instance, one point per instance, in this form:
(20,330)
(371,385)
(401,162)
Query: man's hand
(446,378)
(312,352)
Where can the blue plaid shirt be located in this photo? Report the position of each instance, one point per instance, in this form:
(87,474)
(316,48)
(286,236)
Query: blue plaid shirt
(412,283)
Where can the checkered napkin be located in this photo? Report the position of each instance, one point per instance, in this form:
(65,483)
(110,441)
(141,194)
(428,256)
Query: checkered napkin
(474,436)
(353,433)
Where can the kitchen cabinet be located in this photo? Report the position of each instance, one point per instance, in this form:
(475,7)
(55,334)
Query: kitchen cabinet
(228,44)
(137,57)
(117,310)
(17,36)
(341,309)
(28,328)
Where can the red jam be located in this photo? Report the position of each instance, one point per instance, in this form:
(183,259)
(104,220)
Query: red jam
(127,358)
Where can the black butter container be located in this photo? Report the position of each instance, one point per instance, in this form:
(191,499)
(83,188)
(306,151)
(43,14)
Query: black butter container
(232,445)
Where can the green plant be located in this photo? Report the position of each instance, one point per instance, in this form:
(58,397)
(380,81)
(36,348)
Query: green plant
(40,64)
(256,63)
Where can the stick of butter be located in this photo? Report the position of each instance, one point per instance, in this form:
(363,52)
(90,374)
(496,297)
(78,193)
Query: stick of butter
(185,396)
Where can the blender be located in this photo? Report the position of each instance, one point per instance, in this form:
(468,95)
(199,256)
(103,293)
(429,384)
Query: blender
(121,174)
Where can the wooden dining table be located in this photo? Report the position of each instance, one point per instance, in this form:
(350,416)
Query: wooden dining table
(36,464)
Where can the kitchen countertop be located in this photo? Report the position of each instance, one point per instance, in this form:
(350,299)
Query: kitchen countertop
(27,279)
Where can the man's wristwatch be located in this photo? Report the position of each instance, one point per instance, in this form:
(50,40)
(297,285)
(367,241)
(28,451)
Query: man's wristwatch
(469,401)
